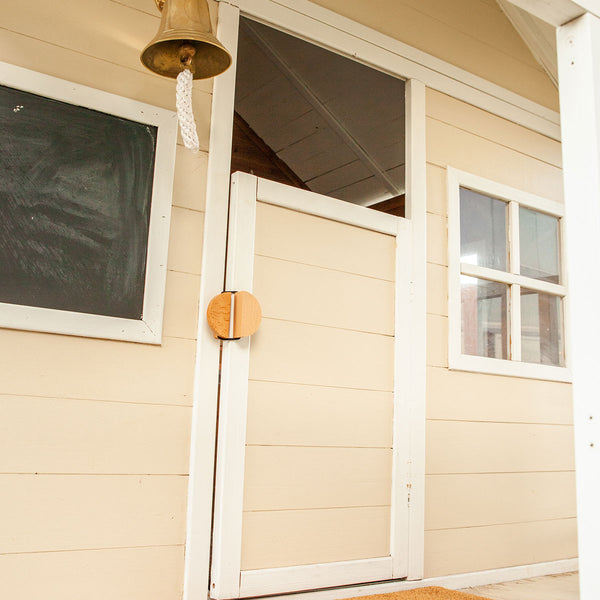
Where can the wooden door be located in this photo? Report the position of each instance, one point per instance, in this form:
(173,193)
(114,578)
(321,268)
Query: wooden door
(312,484)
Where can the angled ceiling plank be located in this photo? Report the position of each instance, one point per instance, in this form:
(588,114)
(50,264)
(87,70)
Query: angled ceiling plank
(304,88)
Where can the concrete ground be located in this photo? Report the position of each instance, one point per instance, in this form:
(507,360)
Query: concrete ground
(550,587)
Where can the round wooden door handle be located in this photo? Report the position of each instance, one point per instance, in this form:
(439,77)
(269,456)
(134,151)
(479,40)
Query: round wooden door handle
(233,315)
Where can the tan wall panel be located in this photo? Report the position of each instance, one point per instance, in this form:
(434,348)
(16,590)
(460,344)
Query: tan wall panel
(287,538)
(286,478)
(70,512)
(480,548)
(437,341)
(437,190)
(437,27)
(97,28)
(189,185)
(48,435)
(484,124)
(305,415)
(454,501)
(471,447)
(118,574)
(483,397)
(437,239)
(437,289)
(447,145)
(297,353)
(307,294)
(39,364)
(185,242)
(290,235)
(181,305)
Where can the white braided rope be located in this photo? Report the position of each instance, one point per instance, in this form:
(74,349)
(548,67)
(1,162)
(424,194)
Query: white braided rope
(185,113)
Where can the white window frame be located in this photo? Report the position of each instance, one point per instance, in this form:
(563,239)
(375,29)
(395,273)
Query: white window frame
(514,198)
(148,329)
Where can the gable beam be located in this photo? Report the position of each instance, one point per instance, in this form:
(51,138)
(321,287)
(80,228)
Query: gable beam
(558,12)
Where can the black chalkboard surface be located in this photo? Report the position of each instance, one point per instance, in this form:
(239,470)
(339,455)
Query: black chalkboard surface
(75,194)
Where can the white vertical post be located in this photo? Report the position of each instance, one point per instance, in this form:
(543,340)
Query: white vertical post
(579,78)
(416,211)
(206,375)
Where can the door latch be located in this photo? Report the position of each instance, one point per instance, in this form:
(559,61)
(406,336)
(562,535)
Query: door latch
(233,315)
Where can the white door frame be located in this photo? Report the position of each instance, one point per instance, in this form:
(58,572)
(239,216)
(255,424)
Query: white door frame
(246,191)
(204,422)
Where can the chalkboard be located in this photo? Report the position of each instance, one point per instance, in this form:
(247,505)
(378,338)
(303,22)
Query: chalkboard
(75,199)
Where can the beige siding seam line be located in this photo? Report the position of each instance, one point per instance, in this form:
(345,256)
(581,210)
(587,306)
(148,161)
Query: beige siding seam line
(297,262)
(507,523)
(318,446)
(320,385)
(502,422)
(87,474)
(499,472)
(103,549)
(123,4)
(493,141)
(365,331)
(321,508)
(80,399)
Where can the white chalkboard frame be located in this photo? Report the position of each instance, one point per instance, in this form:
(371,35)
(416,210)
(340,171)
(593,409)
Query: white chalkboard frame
(148,329)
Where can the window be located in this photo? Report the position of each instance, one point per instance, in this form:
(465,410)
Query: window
(85,190)
(506,280)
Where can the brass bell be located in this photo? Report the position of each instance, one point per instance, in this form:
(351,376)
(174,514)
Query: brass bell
(185,40)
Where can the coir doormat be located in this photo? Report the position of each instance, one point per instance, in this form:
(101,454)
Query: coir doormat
(427,593)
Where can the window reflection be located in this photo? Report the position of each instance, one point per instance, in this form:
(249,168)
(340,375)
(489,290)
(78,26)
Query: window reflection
(484,318)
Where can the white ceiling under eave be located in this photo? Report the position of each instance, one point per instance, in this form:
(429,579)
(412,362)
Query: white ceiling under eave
(539,36)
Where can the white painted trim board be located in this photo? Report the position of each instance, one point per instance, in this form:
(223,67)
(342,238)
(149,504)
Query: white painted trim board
(330,30)
(148,329)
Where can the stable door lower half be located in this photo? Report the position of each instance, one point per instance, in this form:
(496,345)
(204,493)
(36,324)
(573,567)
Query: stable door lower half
(312,484)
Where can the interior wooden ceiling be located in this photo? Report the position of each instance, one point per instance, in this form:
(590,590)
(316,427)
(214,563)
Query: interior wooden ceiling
(337,124)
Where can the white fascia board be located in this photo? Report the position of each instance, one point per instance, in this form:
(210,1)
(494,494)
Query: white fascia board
(558,12)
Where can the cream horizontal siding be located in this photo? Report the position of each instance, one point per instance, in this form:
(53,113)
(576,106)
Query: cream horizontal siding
(302,415)
(288,538)
(57,435)
(472,34)
(151,573)
(499,459)
(498,546)
(95,434)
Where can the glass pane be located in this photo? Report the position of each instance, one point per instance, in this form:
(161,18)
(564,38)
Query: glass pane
(483,230)
(538,234)
(484,317)
(541,328)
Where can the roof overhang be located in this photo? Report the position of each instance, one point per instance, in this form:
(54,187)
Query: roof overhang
(558,12)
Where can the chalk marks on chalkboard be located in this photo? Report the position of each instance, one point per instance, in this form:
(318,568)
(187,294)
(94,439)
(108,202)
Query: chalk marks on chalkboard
(75,200)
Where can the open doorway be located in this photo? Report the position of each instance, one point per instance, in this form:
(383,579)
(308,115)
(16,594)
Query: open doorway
(313,119)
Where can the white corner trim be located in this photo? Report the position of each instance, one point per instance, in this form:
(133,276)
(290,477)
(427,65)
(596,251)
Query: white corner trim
(331,30)
(148,329)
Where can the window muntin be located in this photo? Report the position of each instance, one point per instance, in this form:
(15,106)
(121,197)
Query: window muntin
(506,280)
